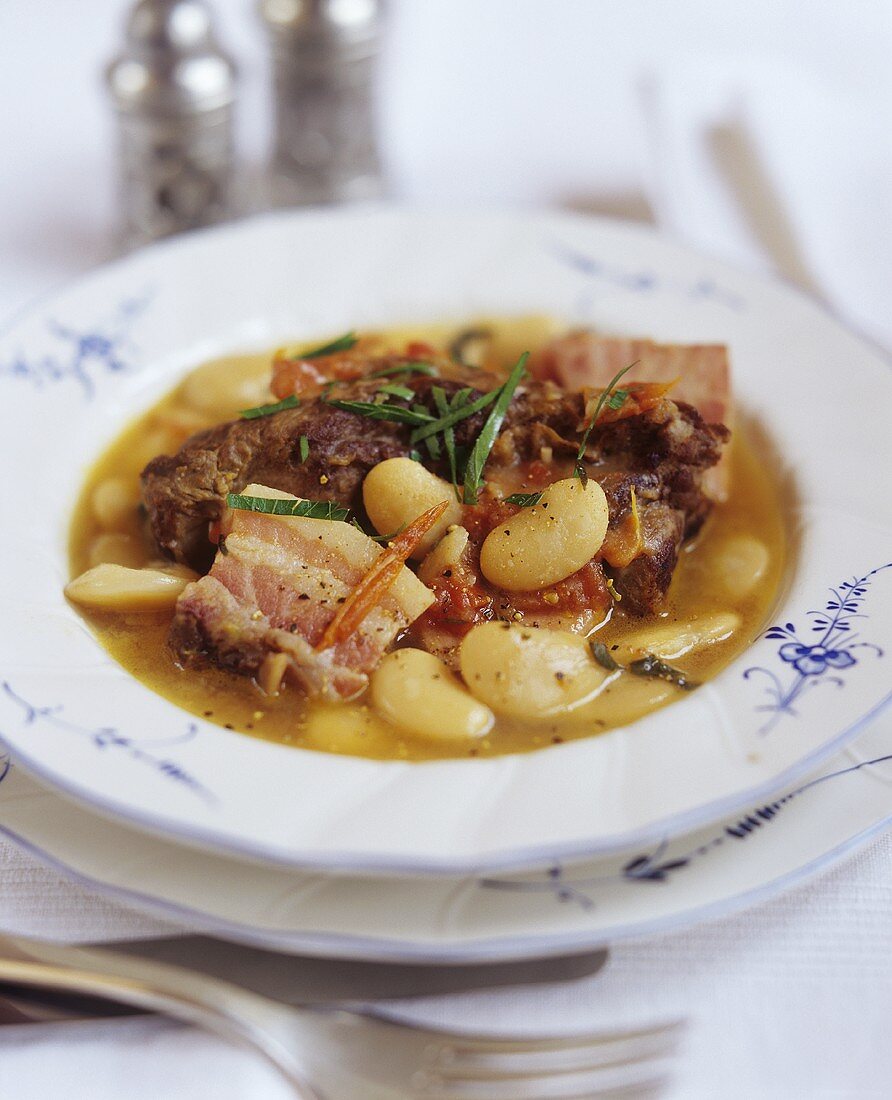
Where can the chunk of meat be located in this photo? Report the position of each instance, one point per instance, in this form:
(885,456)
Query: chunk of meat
(185,492)
(665,450)
(671,442)
(643,583)
(275,585)
(702,371)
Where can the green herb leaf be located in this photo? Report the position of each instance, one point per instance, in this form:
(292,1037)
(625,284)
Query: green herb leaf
(443,406)
(455,415)
(603,656)
(486,439)
(404,368)
(648,666)
(398,391)
(397,413)
(415,455)
(267,410)
(607,396)
(459,456)
(304,445)
(275,506)
(617,399)
(387,538)
(378,538)
(343,343)
(524,500)
(653,668)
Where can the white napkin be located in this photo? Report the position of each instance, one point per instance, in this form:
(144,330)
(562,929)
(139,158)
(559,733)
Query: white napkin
(775,168)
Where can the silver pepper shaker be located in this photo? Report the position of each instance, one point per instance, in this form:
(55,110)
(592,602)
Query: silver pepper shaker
(323,58)
(173,88)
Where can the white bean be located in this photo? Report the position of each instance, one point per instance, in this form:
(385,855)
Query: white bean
(546,543)
(185,420)
(161,441)
(224,386)
(672,640)
(445,555)
(624,700)
(417,693)
(118,588)
(114,502)
(398,490)
(351,729)
(527,673)
(740,562)
(113,548)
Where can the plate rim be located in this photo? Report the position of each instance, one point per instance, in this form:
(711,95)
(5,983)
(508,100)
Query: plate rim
(350,946)
(527,858)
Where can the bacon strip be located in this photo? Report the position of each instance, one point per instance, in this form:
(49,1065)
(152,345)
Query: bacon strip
(275,586)
(585,359)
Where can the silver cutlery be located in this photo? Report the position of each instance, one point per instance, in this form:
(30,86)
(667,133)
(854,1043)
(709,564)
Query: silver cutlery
(362,1051)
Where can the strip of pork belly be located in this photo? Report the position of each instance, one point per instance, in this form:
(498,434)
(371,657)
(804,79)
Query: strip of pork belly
(276,583)
(586,359)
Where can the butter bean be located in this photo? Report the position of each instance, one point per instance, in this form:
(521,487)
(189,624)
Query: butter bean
(117,549)
(740,563)
(672,640)
(398,490)
(622,701)
(223,387)
(417,693)
(445,555)
(527,673)
(546,543)
(114,501)
(111,587)
(161,441)
(347,728)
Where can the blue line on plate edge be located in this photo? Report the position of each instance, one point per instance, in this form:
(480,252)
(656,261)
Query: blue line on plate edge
(647,868)
(344,945)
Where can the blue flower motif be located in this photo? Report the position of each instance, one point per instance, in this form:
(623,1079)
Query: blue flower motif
(81,355)
(813,660)
(833,650)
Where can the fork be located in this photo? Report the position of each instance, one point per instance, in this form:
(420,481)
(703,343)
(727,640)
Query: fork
(358,1052)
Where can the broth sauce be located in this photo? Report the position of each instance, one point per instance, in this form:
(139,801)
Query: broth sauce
(107,526)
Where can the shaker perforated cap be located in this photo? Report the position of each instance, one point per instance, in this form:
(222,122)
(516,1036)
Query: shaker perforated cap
(172,63)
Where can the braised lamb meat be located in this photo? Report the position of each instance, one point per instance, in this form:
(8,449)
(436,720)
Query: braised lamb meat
(662,452)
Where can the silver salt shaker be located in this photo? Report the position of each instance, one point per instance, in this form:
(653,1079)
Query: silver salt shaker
(323,59)
(173,88)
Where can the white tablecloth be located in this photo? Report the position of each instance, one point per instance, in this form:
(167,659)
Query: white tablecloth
(637,111)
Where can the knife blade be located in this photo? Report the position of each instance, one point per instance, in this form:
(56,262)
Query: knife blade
(302,979)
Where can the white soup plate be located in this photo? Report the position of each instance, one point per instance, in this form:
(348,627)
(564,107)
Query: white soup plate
(75,368)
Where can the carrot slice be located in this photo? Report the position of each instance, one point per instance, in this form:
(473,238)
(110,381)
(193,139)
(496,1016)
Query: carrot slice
(375,584)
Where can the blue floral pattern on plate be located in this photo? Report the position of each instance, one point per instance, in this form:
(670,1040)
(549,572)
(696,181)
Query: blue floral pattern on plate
(106,346)
(646,280)
(654,867)
(107,737)
(821,660)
